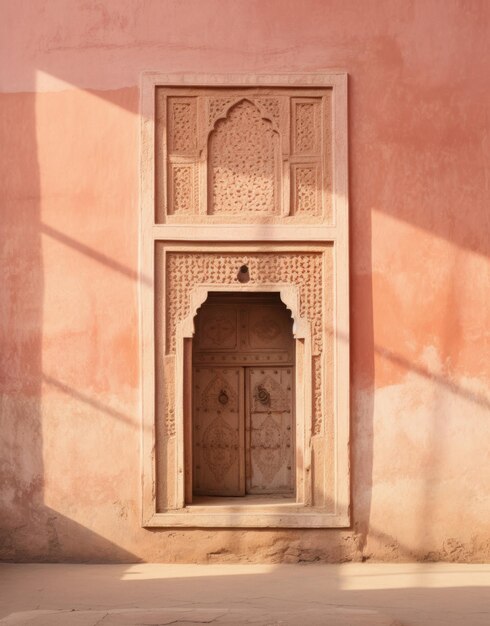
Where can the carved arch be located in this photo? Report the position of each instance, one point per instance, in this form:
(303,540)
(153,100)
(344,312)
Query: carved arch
(219,109)
(289,294)
(185,329)
(243,161)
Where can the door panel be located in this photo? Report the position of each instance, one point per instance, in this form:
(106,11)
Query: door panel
(217,329)
(270,328)
(218,433)
(242,403)
(270,436)
(247,330)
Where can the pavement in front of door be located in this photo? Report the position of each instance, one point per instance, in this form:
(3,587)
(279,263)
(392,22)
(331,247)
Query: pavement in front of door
(353,594)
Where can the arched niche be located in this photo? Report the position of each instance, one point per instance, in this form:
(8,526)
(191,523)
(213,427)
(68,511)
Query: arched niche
(243,162)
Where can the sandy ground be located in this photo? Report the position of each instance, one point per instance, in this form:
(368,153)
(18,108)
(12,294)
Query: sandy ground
(354,594)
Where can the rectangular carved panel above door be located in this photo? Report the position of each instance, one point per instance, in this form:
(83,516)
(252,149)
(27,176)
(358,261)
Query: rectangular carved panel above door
(240,155)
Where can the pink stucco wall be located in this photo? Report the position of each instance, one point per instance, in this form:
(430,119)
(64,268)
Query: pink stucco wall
(419,88)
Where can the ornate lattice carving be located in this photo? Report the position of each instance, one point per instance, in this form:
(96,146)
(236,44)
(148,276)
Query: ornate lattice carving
(182,189)
(217,108)
(243,163)
(169,402)
(306,190)
(184,270)
(307,128)
(182,125)
(317,395)
(250,152)
(270,106)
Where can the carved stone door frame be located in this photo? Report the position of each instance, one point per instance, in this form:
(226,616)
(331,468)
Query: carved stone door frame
(310,269)
(303,397)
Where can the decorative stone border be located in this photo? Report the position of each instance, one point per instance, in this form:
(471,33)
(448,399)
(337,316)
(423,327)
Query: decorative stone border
(322,455)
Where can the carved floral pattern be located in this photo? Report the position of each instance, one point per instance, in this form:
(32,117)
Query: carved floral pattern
(316,390)
(240,141)
(217,108)
(218,328)
(183,135)
(268,447)
(242,163)
(210,399)
(182,189)
(169,404)
(267,329)
(306,131)
(219,448)
(270,106)
(184,270)
(306,200)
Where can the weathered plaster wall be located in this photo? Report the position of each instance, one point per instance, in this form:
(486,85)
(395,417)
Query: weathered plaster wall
(420,275)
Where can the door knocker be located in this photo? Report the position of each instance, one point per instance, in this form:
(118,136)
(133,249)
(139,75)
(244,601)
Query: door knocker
(223,397)
(263,395)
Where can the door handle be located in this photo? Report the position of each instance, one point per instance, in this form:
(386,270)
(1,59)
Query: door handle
(223,397)
(263,396)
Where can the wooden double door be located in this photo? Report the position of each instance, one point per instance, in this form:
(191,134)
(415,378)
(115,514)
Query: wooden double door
(243,435)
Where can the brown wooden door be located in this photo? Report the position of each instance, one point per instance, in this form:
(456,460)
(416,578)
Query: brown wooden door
(243,379)
(269,457)
(219,431)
